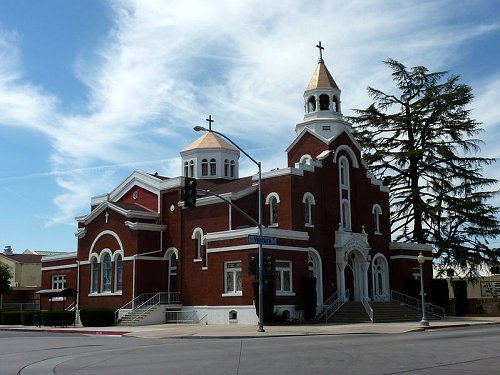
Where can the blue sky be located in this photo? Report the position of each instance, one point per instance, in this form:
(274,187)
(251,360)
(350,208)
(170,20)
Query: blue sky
(92,90)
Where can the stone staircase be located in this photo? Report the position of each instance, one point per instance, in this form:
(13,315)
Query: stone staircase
(351,312)
(384,312)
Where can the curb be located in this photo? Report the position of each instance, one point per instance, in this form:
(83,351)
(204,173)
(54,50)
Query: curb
(92,332)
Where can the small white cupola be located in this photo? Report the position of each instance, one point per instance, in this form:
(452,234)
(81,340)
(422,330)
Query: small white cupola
(322,104)
(210,157)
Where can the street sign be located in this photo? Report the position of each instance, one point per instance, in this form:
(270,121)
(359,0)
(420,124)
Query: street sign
(261,240)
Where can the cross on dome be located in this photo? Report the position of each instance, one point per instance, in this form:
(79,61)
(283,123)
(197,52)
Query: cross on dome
(209,119)
(320,50)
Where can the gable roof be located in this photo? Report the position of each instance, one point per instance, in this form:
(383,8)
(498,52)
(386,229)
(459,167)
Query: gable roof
(126,209)
(24,258)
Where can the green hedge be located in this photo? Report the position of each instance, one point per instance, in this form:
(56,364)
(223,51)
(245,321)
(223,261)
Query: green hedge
(102,317)
(440,293)
(27,317)
(411,288)
(50,318)
(11,317)
(460,293)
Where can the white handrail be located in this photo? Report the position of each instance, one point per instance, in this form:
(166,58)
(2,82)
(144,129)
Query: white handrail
(151,300)
(336,305)
(416,304)
(368,308)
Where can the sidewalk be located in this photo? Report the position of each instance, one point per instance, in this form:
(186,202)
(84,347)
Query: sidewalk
(246,331)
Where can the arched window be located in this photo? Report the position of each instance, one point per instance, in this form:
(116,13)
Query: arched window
(204,167)
(198,238)
(273,206)
(377,212)
(191,169)
(308,200)
(305,159)
(336,104)
(186,169)
(345,193)
(344,172)
(106,273)
(226,168)
(272,201)
(346,215)
(324,102)
(213,167)
(311,104)
(380,278)
(118,273)
(233,169)
(94,276)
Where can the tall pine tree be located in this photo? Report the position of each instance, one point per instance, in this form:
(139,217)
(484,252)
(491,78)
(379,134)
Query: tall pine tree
(421,140)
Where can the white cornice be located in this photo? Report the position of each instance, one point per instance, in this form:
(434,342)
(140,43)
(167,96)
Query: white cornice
(81,232)
(146,226)
(52,258)
(411,246)
(271,232)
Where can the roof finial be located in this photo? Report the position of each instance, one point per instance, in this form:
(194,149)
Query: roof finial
(320,50)
(209,119)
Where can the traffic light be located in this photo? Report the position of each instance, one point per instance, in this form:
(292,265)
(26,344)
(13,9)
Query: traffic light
(268,265)
(253,265)
(189,192)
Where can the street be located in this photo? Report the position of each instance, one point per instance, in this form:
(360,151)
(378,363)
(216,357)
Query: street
(468,350)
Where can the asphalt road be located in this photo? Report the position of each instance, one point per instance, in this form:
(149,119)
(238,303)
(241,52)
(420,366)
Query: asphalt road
(468,350)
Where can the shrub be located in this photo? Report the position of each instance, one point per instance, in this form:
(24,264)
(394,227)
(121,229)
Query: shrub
(460,292)
(411,287)
(50,318)
(27,317)
(310,297)
(440,293)
(11,317)
(99,317)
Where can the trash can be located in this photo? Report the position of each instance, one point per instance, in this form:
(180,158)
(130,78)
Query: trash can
(37,320)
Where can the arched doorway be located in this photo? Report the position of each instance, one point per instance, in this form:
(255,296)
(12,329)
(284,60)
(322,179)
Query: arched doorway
(172,274)
(315,270)
(380,278)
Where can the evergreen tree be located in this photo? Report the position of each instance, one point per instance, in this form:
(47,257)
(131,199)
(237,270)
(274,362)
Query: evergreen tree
(5,276)
(421,141)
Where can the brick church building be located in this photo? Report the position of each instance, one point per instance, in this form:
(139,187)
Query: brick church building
(328,213)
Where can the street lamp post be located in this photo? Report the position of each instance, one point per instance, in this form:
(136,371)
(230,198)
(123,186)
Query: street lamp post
(421,260)
(261,257)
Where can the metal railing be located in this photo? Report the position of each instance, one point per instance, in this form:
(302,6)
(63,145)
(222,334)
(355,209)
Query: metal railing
(334,306)
(71,307)
(326,305)
(20,306)
(368,308)
(416,304)
(146,300)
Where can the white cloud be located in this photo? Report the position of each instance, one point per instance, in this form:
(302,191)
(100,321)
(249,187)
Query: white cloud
(164,66)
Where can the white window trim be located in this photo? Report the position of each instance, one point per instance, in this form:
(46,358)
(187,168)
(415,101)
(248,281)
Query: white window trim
(377,212)
(269,198)
(236,293)
(198,232)
(281,292)
(309,198)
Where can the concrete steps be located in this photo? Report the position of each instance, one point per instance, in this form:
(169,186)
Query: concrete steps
(384,312)
(351,312)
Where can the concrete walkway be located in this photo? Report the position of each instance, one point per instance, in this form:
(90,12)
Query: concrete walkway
(246,331)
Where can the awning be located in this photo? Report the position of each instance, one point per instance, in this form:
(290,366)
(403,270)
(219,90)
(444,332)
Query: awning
(57,292)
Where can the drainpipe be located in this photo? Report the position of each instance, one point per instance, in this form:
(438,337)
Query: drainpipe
(77,307)
(133,280)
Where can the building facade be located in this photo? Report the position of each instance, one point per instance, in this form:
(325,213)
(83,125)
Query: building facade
(327,212)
